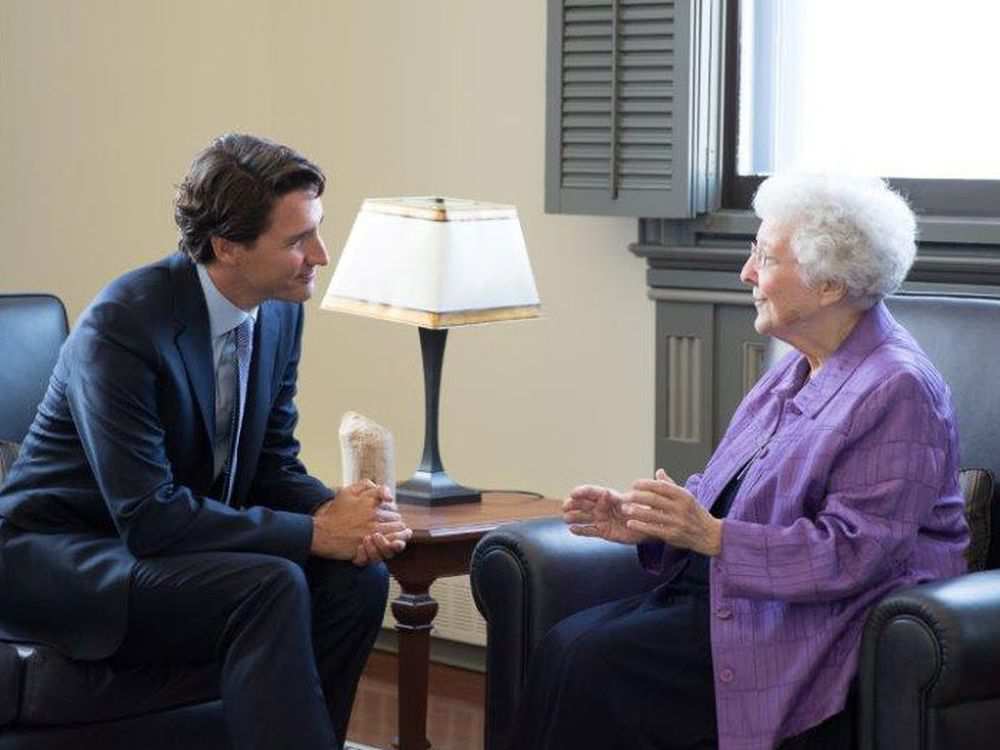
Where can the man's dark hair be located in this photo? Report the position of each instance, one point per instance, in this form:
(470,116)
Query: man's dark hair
(231,188)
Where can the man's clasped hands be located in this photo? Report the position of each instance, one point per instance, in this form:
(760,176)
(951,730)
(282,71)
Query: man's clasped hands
(361,524)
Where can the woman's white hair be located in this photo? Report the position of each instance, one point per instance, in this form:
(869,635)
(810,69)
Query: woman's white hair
(851,230)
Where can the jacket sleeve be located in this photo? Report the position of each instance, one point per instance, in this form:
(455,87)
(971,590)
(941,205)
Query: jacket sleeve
(893,477)
(281,481)
(111,391)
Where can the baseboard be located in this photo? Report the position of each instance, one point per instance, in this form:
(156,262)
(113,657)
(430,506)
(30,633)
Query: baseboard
(452,653)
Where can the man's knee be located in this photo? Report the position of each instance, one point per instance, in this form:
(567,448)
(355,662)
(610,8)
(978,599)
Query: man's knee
(341,589)
(281,579)
(249,600)
(373,589)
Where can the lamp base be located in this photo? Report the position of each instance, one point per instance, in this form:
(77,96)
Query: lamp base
(434,489)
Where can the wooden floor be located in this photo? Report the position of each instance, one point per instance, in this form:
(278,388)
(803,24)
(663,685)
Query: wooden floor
(454,714)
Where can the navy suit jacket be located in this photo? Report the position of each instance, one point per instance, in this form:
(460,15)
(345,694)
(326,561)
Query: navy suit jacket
(117,465)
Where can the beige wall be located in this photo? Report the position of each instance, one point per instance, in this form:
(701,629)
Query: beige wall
(103,103)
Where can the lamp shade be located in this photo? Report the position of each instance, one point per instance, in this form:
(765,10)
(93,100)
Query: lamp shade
(435,263)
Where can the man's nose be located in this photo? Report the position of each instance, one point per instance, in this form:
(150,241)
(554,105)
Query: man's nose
(318,255)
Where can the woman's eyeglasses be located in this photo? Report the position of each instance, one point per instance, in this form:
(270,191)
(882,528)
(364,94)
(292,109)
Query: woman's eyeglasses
(761,259)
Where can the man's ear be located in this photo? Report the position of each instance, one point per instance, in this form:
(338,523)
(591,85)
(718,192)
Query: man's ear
(225,250)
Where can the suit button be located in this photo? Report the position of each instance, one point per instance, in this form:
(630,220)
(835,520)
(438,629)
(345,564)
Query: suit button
(726,675)
(724,613)
(763,452)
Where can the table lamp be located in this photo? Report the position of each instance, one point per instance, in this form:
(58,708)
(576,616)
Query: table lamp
(436,263)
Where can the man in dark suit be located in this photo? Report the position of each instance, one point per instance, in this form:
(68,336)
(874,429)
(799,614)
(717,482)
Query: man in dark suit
(158,509)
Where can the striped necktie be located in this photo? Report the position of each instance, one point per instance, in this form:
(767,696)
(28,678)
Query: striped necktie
(244,350)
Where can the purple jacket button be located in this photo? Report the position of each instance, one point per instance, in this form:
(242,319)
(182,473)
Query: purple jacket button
(726,675)
(724,613)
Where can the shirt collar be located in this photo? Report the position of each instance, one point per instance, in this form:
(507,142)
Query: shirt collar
(874,327)
(223,315)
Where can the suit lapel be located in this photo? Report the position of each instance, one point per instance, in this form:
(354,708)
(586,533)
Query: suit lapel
(194,339)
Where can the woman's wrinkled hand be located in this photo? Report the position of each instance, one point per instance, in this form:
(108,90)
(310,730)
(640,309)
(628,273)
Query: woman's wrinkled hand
(662,509)
(597,512)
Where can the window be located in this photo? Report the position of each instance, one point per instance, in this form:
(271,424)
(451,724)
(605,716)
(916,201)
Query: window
(904,89)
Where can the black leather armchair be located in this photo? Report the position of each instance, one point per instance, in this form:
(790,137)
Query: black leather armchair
(929,673)
(49,702)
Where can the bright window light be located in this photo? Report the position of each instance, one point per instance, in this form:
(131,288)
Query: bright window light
(896,88)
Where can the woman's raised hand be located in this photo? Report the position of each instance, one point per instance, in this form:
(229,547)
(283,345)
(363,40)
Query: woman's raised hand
(662,509)
(597,511)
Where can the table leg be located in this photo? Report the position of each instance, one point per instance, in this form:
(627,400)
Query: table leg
(414,611)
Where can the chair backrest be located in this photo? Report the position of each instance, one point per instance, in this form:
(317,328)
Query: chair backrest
(32,329)
(961,335)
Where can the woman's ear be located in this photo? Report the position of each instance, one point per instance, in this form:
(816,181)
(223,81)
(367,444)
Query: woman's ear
(832,292)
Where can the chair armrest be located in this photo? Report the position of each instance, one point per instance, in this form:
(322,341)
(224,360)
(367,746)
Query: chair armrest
(927,649)
(525,578)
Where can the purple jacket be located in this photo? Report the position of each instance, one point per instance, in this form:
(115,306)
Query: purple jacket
(853,493)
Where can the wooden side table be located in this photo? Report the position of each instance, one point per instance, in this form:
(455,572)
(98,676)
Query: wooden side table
(442,544)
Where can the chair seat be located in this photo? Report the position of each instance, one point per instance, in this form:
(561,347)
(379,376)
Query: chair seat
(55,690)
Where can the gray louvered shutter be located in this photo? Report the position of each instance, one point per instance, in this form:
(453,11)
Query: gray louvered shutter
(627,121)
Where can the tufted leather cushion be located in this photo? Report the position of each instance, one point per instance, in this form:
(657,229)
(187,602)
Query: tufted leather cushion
(977,488)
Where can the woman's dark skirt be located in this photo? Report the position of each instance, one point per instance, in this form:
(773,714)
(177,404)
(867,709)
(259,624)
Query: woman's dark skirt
(636,674)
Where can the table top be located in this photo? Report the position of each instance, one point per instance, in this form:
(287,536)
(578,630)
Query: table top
(472,520)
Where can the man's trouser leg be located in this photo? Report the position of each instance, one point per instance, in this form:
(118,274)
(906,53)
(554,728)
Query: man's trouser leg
(252,614)
(348,606)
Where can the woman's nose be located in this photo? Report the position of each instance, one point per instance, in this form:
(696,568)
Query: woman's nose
(748,274)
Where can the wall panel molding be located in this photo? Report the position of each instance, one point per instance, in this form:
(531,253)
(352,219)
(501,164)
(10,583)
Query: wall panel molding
(684,384)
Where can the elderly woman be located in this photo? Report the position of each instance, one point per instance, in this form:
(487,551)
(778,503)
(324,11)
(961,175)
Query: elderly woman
(836,482)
